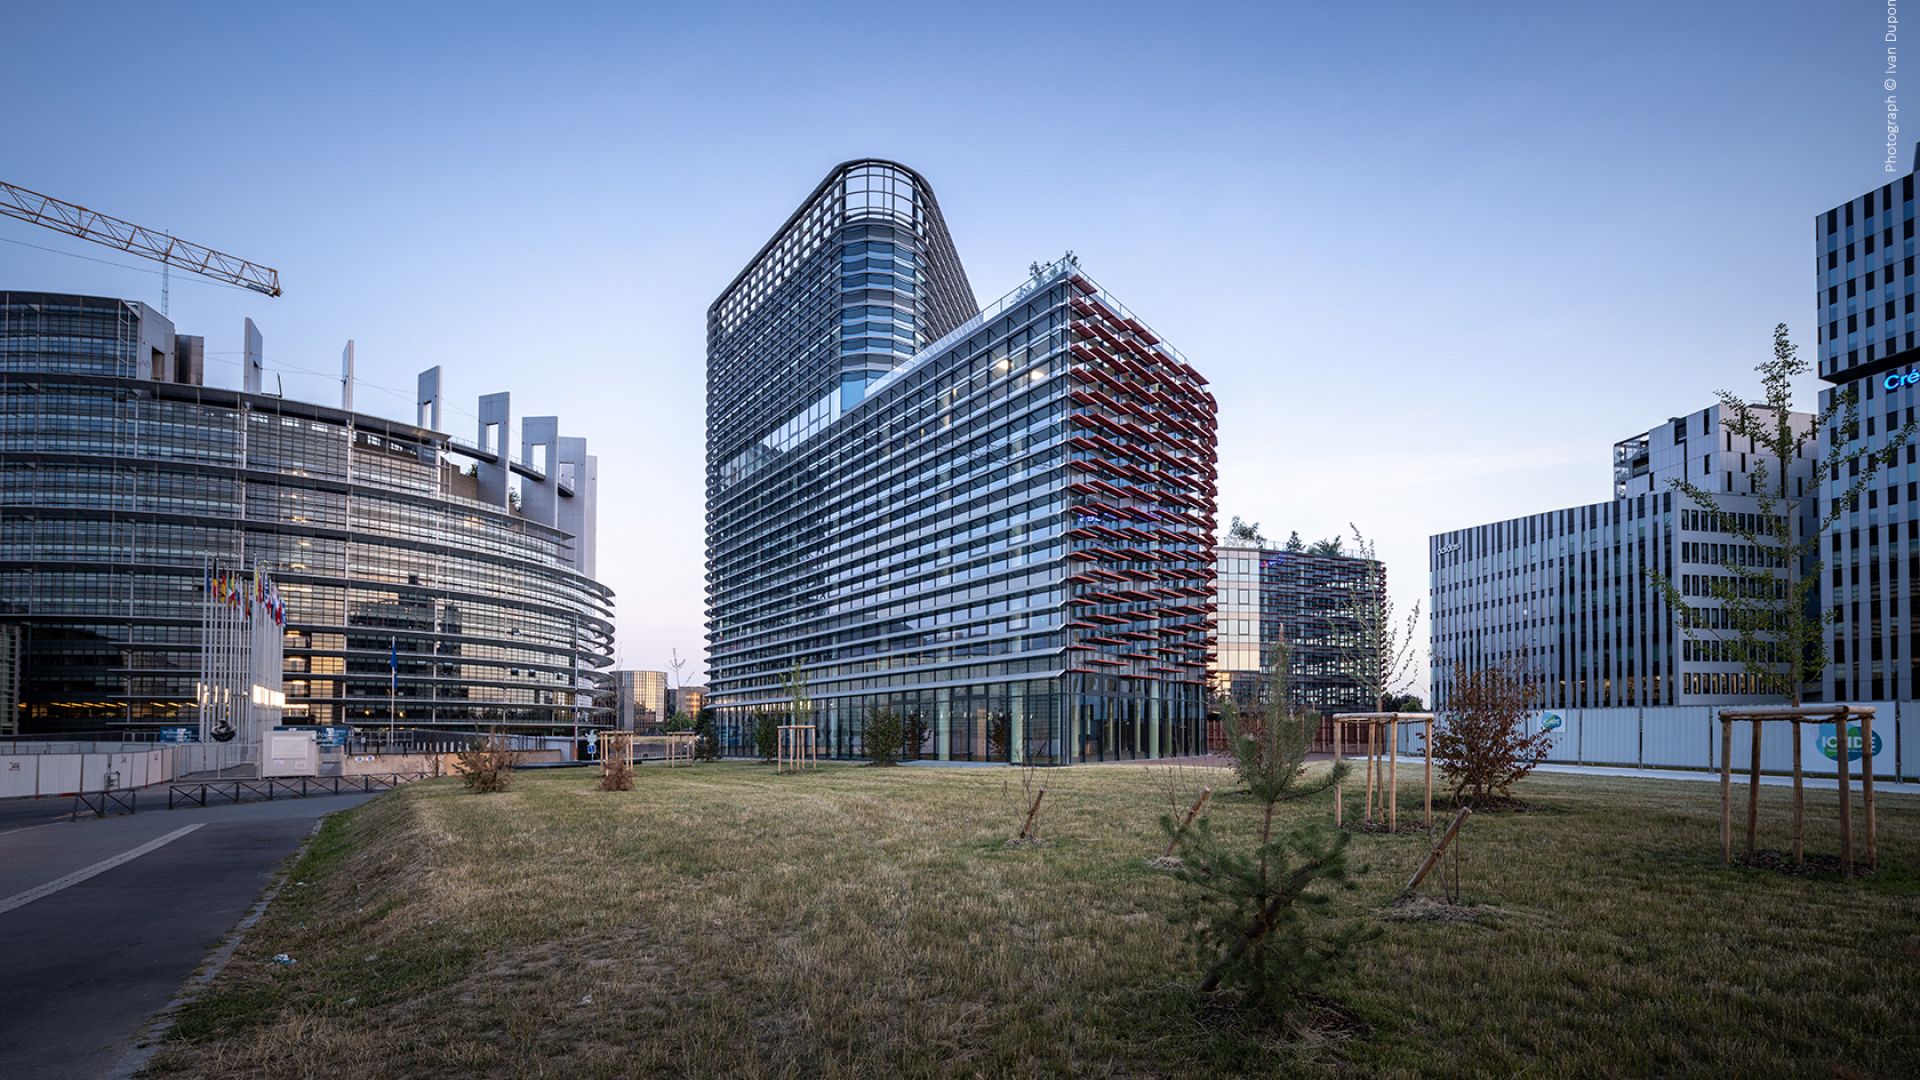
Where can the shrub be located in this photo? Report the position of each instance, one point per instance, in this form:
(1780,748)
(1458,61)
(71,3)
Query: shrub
(616,776)
(1483,749)
(766,735)
(886,735)
(706,744)
(486,765)
(1246,912)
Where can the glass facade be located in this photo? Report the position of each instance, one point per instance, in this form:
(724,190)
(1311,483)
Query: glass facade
(115,488)
(1310,600)
(998,522)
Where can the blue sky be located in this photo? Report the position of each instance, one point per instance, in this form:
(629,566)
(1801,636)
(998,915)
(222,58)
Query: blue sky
(1435,259)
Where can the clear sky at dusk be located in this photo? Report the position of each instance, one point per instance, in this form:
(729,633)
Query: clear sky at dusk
(1435,258)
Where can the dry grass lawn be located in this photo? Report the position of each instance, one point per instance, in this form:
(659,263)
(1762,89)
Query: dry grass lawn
(721,920)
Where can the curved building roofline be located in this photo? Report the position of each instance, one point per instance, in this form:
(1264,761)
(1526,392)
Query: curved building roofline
(819,189)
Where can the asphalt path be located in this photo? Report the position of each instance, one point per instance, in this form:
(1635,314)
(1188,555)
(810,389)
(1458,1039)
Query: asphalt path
(102,920)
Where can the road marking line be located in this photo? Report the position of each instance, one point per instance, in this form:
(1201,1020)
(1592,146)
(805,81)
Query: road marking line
(101,867)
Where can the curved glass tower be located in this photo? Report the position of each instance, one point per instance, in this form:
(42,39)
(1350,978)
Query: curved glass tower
(995,521)
(411,573)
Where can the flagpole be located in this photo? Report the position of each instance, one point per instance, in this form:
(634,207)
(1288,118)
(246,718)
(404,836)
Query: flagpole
(393,685)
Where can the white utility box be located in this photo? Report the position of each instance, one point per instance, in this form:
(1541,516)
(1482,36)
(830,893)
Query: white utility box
(290,753)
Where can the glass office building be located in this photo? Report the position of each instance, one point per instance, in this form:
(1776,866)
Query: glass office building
(998,521)
(452,579)
(1309,600)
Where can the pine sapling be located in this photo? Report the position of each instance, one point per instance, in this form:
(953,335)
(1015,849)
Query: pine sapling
(1248,910)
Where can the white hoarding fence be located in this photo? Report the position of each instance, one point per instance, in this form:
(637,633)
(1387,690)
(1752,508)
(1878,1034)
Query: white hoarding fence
(1688,737)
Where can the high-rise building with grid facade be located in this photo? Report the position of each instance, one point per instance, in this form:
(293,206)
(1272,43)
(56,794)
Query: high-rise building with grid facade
(1864,288)
(1310,600)
(997,521)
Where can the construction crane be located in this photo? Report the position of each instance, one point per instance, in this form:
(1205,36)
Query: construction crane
(168,251)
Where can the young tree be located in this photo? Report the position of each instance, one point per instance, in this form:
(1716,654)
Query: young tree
(1247,909)
(486,765)
(1245,532)
(1330,546)
(794,682)
(706,743)
(1294,543)
(1483,749)
(1385,646)
(766,734)
(885,735)
(1774,625)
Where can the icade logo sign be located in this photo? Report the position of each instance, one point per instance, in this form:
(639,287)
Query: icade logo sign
(1828,743)
(1551,721)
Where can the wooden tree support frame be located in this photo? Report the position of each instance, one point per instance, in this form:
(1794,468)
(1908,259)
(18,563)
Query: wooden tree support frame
(1433,857)
(1840,715)
(1192,812)
(1382,762)
(615,746)
(680,747)
(797,749)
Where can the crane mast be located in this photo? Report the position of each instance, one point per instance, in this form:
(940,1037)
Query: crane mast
(169,251)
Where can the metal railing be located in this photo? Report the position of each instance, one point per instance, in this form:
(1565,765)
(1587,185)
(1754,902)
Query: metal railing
(102,803)
(244,789)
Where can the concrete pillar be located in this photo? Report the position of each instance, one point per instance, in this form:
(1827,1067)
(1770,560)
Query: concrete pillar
(539,449)
(346,377)
(496,420)
(579,513)
(255,352)
(427,413)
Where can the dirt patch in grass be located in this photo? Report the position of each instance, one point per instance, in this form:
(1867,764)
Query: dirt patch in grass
(1166,862)
(1020,842)
(1422,908)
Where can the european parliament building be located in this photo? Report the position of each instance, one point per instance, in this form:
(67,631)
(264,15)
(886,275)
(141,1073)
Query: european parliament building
(452,580)
(996,520)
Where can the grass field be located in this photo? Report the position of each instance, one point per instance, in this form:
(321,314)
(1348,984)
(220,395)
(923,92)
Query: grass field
(721,920)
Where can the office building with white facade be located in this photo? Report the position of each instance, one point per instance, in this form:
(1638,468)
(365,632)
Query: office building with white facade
(1570,590)
(1864,288)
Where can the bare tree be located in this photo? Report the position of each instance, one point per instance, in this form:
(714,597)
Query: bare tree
(1385,645)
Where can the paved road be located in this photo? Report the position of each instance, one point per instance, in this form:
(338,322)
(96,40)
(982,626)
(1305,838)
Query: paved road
(87,964)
